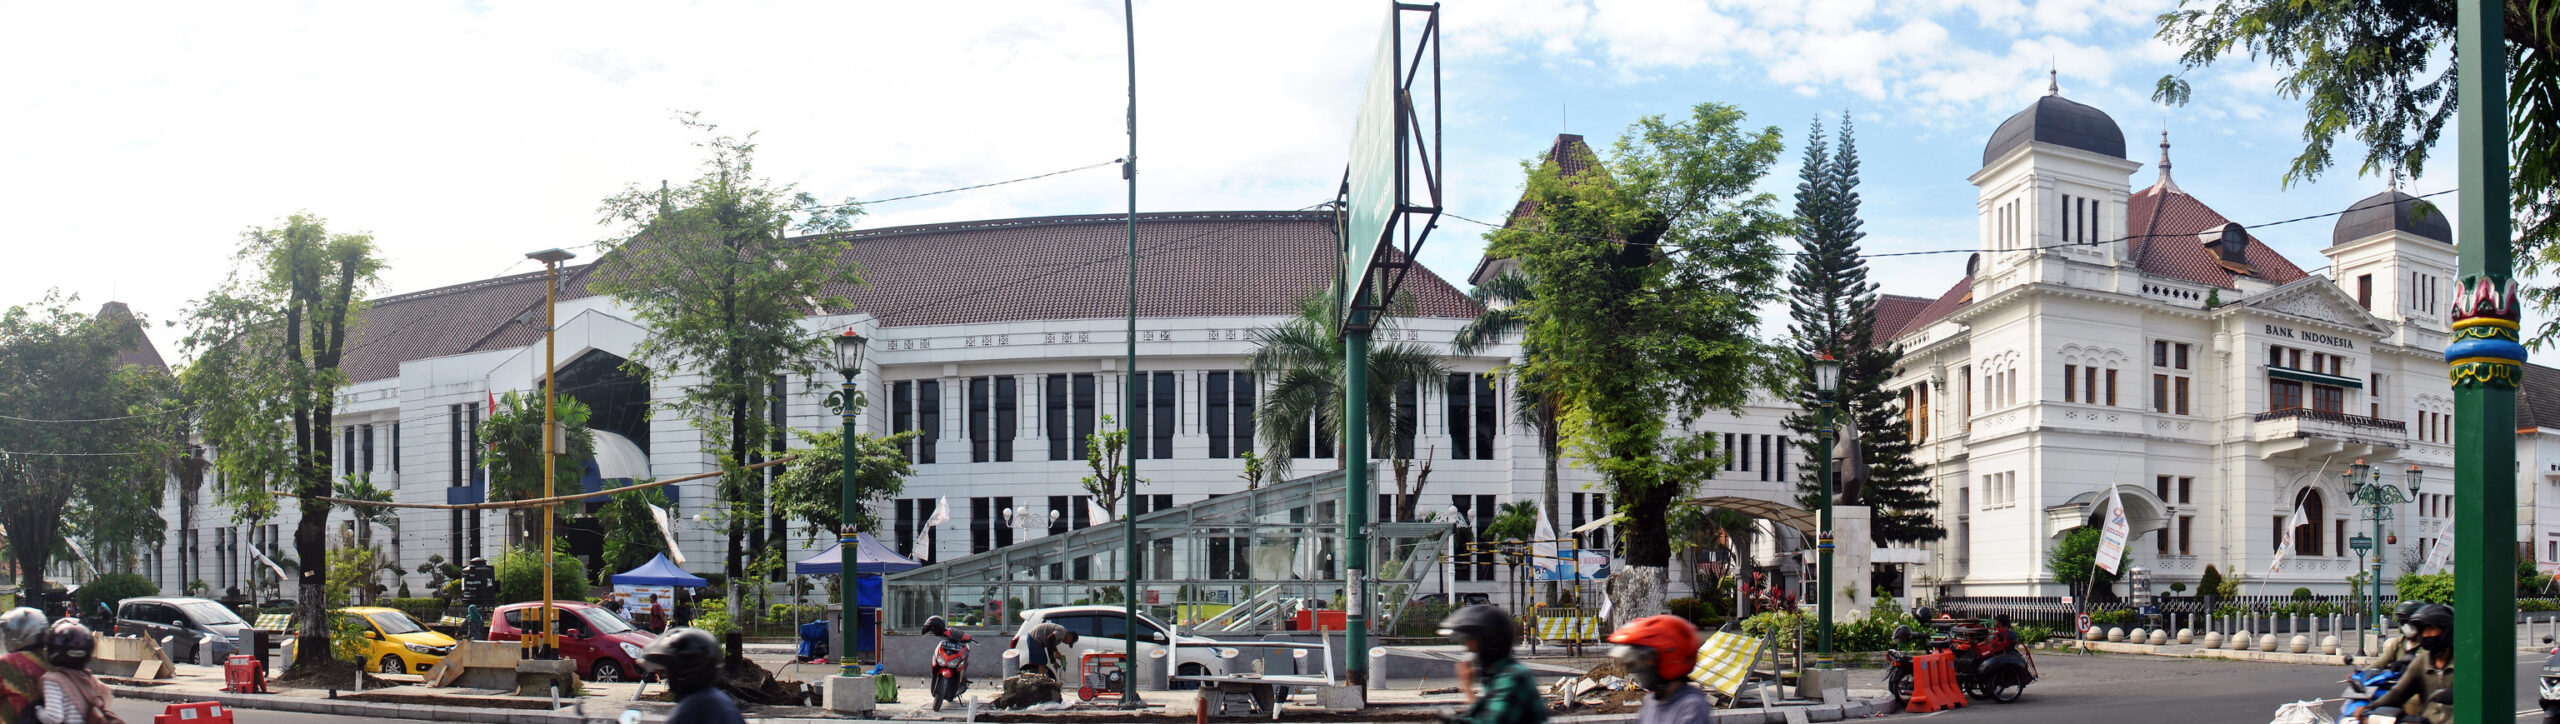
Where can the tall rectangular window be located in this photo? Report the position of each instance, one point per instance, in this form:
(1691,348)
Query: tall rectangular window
(365,443)
(2186,531)
(1214,412)
(1054,415)
(347,451)
(2070,383)
(1008,416)
(1487,408)
(2186,485)
(1768,457)
(928,418)
(1408,420)
(1085,411)
(2364,291)
(395,446)
(1964,396)
(1151,435)
(2339,546)
(1227,413)
(2111,387)
(982,525)
(902,414)
(2159,393)
(2283,395)
(2183,390)
(1461,400)
(1070,415)
(981,392)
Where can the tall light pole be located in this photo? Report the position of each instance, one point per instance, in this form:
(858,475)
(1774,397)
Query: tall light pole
(2364,484)
(2487,363)
(1128,398)
(1826,378)
(849,349)
(550,259)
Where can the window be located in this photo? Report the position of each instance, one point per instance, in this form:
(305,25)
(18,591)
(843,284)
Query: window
(2364,291)
(366,461)
(2070,383)
(2306,540)
(2374,395)
(1228,411)
(1151,434)
(2328,398)
(2159,393)
(2111,387)
(2186,529)
(908,525)
(994,418)
(2161,487)
(1313,440)
(1069,414)
(395,446)
(1964,397)
(2163,540)
(1478,511)
(1768,458)
(2185,485)
(1471,424)
(1408,422)
(2182,394)
(2171,387)
(916,405)
(1731,458)
(2338,539)
(347,451)
(2283,395)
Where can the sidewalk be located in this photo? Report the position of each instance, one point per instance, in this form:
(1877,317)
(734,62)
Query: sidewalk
(2282,655)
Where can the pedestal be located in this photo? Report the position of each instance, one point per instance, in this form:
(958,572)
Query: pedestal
(538,677)
(852,694)
(1830,686)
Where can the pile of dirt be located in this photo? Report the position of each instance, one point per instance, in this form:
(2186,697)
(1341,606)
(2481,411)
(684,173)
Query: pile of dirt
(1603,688)
(751,684)
(1028,690)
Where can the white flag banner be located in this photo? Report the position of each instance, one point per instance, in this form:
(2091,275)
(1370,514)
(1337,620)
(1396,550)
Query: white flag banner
(261,557)
(923,547)
(2442,555)
(2284,546)
(2111,538)
(1099,513)
(666,526)
(1543,555)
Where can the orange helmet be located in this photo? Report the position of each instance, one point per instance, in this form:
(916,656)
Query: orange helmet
(1673,639)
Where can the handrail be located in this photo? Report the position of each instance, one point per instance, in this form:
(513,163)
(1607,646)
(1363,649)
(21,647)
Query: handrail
(2291,413)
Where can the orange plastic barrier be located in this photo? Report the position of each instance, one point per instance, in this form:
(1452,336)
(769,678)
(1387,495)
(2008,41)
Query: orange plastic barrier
(1933,683)
(200,712)
(244,675)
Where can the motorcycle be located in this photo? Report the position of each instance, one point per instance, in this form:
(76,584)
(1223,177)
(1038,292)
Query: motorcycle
(950,667)
(2550,695)
(2003,677)
(2365,686)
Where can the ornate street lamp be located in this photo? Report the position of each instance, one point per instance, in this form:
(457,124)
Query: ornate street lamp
(2365,486)
(849,349)
(1826,378)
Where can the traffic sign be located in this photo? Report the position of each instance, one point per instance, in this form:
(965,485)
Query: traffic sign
(2360,543)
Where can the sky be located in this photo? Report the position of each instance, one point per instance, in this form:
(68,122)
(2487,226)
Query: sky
(139,140)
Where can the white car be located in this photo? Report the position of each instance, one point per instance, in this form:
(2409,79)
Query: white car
(1100,628)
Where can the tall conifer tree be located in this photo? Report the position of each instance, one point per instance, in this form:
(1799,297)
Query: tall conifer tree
(1834,307)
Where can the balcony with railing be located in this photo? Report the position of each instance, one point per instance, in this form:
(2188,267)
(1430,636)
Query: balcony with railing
(2303,432)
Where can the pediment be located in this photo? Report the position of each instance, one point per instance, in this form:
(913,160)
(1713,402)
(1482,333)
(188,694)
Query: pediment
(2320,300)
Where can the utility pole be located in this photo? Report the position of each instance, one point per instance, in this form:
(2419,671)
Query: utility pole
(1128,391)
(2487,362)
(551,441)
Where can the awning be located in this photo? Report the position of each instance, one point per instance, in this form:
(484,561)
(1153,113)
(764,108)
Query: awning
(2288,373)
(871,557)
(659,572)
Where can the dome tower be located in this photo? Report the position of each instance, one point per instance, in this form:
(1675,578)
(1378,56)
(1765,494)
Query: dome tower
(2052,188)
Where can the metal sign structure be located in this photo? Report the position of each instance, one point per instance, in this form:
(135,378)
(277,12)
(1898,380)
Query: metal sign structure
(1390,196)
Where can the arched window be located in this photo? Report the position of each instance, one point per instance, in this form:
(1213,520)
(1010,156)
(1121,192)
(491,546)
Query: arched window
(2307,540)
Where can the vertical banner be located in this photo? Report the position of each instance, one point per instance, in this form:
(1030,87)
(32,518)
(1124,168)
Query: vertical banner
(2111,539)
(666,526)
(2285,545)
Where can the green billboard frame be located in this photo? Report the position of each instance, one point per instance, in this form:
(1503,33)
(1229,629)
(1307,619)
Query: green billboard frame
(1382,224)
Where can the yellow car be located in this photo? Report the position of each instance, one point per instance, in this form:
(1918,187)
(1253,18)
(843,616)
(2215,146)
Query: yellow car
(394,644)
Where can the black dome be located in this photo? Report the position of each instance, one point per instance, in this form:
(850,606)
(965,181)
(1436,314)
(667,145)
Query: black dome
(2392,211)
(2059,121)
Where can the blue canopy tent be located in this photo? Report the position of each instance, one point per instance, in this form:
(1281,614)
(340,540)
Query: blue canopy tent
(659,572)
(871,559)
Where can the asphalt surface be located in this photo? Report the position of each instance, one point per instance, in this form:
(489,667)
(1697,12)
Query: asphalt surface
(140,711)
(2183,690)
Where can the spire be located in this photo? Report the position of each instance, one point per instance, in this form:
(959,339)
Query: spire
(2164,183)
(2053,82)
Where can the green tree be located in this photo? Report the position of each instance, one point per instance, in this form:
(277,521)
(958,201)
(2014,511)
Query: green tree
(2382,75)
(1834,308)
(96,479)
(360,487)
(2073,561)
(811,489)
(519,574)
(1645,272)
(710,269)
(514,435)
(268,343)
(1533,397)
(1302,360)
(631,532)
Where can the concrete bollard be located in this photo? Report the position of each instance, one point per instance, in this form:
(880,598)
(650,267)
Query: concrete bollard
(2159,637)
(2301,644)
(2115,634)
(2267,643)
(2212,639)
(2240,641)
(2186,636)
(2329,645)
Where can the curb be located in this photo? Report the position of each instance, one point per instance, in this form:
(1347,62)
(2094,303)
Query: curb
(1857,709)
(360,709)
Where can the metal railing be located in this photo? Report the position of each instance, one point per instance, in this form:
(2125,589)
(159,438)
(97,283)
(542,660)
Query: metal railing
(2305,413)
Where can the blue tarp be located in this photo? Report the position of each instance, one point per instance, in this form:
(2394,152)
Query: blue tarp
(659,572)
(871,558)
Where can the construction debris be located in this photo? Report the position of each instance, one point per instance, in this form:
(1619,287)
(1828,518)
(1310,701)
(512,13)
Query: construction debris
(751,684)
(1028,690)
(1603,688)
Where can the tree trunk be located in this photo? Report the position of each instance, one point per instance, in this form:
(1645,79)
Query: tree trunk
(1548,448)
(30,558)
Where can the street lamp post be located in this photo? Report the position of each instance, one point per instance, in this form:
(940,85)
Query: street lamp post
(849,349)
(2364,484)
(1826,378)
(551,441)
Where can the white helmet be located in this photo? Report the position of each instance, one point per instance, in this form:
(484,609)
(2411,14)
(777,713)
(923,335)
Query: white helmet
(21,628)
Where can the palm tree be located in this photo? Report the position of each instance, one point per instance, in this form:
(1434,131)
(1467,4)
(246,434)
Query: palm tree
(360,487)
(1503,318)
(1301,359)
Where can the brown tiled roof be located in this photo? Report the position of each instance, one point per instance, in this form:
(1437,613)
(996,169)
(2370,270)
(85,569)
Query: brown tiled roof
(1576,157)
(1191,264)
(2163,224)
(1955,298)
(1894,312)
(144,352)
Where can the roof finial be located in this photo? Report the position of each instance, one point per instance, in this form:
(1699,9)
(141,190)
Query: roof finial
(2053,82)
(2164,183)
(2395,176)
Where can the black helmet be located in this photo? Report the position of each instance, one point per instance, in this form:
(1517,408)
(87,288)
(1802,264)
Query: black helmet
(689,659)
(2439,617)
(68,644)
(2401,614)
(1488,627)
(935,626)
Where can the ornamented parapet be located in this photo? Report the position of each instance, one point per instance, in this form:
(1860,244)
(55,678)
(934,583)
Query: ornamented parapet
(2485,349)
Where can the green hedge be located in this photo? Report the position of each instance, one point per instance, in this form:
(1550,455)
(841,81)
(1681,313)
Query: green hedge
(520,577)
(114,588)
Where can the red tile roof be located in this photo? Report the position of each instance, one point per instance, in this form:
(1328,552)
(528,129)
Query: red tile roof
(1575,156)
(1894,312)
(143,352)
(1192,264)
(1955,298)
(2163,225)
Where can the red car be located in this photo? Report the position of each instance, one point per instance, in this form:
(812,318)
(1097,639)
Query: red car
(604,646)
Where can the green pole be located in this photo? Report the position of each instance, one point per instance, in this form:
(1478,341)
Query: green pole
(1822,573)
(845,540)
(2487,361)
(2378,620)
(1355,468)
(1128,396)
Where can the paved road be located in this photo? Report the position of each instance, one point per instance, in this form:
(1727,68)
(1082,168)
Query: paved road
(2182,690)
(140,711)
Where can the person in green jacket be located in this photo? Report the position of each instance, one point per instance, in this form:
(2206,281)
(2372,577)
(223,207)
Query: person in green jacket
(2398,647)
(1499,688)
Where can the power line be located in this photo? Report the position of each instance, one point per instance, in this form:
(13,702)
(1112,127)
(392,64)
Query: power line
(13,418)
(858,202)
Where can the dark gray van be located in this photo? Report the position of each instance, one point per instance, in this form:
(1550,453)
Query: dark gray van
(183,624)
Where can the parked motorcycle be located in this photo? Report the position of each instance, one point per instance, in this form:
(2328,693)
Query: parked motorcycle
(2003,677)
(950,667)
(2550,685)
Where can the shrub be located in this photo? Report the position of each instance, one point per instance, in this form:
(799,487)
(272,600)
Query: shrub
(2118,617)
(425,610)
(2427,587)
(2211,583)
(2034,633)
(114,588)
(2537,604)
(520,576)
(1784,624)
(2178,587)
(712,614)
(2301,594)
(346,639)
(787,613)
(1689,608)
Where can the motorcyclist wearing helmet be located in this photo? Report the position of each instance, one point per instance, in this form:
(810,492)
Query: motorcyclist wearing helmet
(1503,692)
(1659,652)
(2427,686)
(22,664)
(71,694)
(2397,649)
(689,660)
